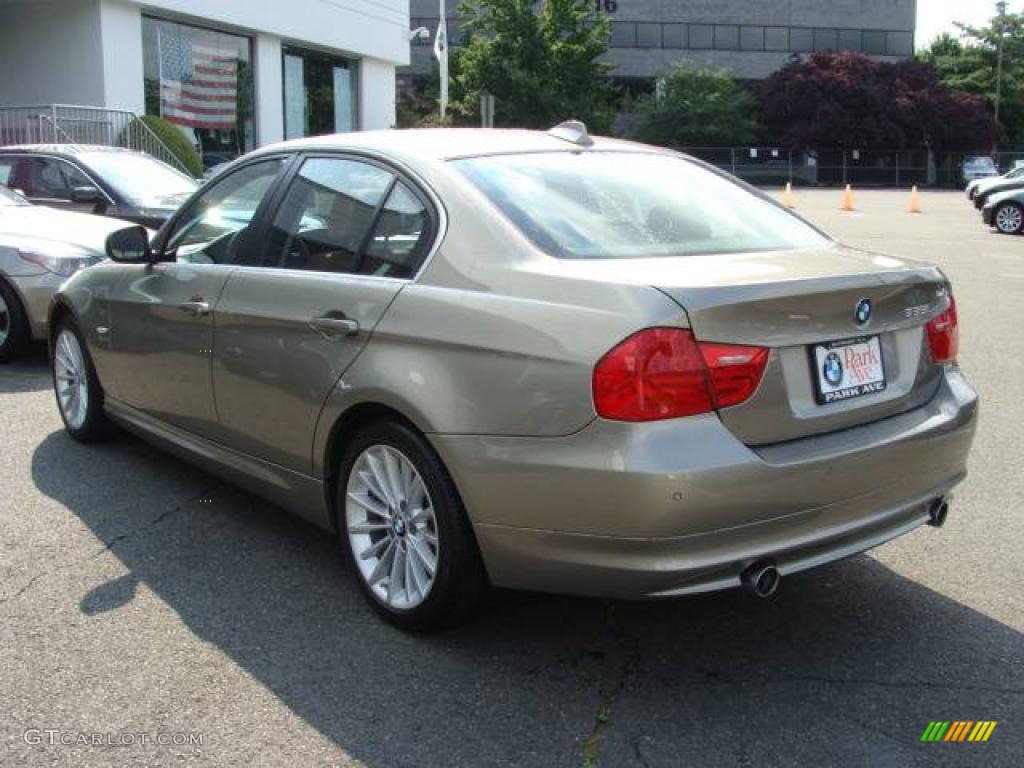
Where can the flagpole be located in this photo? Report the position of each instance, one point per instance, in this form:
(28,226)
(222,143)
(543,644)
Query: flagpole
(441,53)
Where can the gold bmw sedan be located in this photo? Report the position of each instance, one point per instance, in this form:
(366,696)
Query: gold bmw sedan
(531,360)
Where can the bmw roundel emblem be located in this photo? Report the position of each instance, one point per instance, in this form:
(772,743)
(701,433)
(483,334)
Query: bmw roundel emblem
(862,312)
(833,369)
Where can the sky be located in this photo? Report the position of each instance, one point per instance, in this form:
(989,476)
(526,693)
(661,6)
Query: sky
(937,16)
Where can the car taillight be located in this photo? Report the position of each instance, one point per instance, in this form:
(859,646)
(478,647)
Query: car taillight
(944,335)
(664,373)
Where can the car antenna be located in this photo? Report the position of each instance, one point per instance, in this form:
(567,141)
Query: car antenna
(573,131)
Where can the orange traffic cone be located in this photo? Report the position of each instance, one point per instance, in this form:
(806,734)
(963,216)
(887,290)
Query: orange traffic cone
(915,201)
(787,196)
(847,200)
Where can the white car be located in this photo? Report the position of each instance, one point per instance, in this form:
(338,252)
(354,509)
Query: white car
(40,248)
(984,185)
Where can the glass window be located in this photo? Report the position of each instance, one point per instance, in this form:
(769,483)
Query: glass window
(825,40)
(776,38)
(727,37)
(849,40)
(874,42)
(623,35)
(617,205)
(46,178)
(648,35)
(319,94)
(326,215)
(674,35)
(702,36)
(900,44)
(401,238)
(752,38)
(200,80)
(9,197)
(138,177)
(801,40)
(213,228)
(6,170)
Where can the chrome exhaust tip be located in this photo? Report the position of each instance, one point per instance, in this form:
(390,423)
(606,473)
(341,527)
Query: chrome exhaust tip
(761,579)
(938,510)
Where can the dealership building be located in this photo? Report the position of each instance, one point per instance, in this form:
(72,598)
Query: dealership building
(749,38)
(233,74)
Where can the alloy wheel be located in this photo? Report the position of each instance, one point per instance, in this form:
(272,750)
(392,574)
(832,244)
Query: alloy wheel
(71,379)
(1009,219)
(392,527)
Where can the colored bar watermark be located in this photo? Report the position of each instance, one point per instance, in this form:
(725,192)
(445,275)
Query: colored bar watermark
(959,730)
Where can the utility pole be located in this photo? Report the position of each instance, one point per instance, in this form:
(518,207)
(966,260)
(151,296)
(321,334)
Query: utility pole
(1001,22)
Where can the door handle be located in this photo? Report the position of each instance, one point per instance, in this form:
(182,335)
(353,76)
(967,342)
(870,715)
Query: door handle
(196,308)
(331,326)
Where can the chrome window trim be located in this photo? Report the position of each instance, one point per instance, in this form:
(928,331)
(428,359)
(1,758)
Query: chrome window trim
(404,170)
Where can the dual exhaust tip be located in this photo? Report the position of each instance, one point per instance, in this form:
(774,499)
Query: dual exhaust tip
(761,579)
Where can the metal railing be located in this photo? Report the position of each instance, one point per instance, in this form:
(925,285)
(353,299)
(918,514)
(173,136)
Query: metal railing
(69,124)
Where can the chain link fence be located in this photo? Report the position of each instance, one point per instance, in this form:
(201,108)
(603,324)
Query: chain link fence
(765,165)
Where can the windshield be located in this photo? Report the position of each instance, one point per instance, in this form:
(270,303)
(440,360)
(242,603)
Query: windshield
(138,176)
(620,205)
(979,164)
(10,197)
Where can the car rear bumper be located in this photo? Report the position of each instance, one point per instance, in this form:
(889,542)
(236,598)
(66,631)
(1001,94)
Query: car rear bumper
(670,508)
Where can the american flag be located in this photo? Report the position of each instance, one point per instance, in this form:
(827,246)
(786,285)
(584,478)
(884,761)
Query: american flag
(198,83)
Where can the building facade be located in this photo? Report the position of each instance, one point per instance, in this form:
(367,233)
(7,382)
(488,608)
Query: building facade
(232,74)
(749,38)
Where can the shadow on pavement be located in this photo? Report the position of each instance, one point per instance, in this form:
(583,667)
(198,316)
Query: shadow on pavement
(846,665)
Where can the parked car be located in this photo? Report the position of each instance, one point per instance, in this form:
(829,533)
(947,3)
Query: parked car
(1012,180)
(108,181)
(1005,211)
(533,360)
(985,184)
(39,249)
(976,167)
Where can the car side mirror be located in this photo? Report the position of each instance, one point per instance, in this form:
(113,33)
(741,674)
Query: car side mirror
(130,245)
(85,194)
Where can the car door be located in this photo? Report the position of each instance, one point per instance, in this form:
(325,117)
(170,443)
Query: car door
(162,315)
(346,235)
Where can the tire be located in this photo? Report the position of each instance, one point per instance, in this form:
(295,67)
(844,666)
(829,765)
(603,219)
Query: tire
(14,329)
(78,392)
(1008,218)
(391,528)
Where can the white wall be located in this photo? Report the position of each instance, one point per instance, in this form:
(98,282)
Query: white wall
(376,94)
(377,28)
(121,33)
(50,53)
(269,89)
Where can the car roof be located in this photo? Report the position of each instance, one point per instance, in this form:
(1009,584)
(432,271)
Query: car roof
(439,144)
(64,149)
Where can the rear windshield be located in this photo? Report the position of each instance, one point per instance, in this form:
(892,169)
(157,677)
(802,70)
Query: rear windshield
(620,205)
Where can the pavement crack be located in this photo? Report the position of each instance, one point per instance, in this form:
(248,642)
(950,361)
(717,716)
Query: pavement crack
(625,653)
(107,546)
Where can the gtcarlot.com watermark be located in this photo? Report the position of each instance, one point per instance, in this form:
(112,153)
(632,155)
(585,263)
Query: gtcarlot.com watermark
(54,737)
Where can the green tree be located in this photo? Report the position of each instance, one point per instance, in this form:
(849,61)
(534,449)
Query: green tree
(542,65)
(970,64)
(697,107)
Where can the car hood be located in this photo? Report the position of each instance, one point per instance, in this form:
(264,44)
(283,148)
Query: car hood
(166,204)
(1005,194)
(39,223)
(995,186)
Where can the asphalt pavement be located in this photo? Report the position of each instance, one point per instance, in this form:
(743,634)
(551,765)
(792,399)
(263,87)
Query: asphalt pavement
(141,597)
